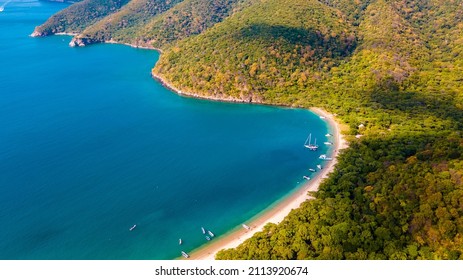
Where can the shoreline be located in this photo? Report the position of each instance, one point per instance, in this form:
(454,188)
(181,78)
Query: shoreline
(276,212)
(280,209)
(177,91)
(134,46)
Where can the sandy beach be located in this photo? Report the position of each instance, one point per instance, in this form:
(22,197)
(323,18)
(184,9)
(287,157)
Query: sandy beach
(278,212)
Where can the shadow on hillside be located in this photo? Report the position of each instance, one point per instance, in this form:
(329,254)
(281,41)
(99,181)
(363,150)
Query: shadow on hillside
(339,45)
(440,105)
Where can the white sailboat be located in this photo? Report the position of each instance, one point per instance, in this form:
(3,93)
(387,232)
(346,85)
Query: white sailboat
(309,145)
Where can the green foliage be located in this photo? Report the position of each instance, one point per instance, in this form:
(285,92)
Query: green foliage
(389,198)
(395,66)
(141,22)
(119,25)
(267,50)
(191,17)
(76,17)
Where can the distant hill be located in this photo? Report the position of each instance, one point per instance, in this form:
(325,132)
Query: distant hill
(78,16)
(135,13)
(391,70)
(139,22)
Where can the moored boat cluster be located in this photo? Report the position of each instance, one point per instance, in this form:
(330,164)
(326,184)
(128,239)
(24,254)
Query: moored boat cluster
(314,147)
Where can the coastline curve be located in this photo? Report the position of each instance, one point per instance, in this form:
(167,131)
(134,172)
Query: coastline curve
(280,209)
(276,212)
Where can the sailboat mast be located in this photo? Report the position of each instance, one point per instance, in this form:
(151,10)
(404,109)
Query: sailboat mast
(305,143)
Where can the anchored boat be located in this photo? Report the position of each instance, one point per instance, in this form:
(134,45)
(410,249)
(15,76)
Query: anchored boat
(308,143)
(324,157)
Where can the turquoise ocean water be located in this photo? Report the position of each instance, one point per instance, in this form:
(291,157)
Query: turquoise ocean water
(90,145)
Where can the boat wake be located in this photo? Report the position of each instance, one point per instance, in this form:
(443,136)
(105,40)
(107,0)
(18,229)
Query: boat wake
(2,7)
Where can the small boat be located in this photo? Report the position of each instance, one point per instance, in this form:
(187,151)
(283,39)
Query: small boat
(328,135)
(324,157)
(328,143)
(203,230)
(2,9)
(208,238)
(180,242)
(322,117)
(311,170)
(319,166)
(210,233)
(132,227)
(305,177)
(246,227)
(185,255)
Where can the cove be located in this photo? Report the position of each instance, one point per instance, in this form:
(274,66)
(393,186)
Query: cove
(90,145)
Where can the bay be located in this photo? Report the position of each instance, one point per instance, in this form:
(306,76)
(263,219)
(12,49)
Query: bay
(90,145)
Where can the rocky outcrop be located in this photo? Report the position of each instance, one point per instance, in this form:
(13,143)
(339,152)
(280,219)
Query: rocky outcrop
(81,41)
(39,33)
(36,34)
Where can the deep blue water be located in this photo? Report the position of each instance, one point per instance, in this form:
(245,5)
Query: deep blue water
(90,145)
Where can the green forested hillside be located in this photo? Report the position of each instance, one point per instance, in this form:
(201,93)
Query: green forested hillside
(267,49)
(119,25)
(191,17)
(395,66)
(140,22)
(76,17)
(396,193)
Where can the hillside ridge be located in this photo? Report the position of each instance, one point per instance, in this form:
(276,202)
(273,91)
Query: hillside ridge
(391,70)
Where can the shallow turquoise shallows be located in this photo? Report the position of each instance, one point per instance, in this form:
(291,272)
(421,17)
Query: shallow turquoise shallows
(91,145)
